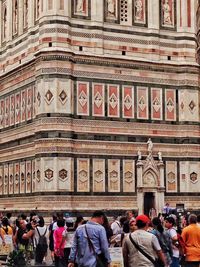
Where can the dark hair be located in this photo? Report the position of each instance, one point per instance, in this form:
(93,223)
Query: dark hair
(23,216)
(5,221)
(157,224)
(41,221)
(54,217)
(59,215)
(122,220)
(98,213)
(79,219)
(198,218)
(140,224)
(170,220)
(9,215)
(61,222)
(192,218)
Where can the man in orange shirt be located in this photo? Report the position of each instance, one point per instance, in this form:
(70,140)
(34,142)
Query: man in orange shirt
(191,237)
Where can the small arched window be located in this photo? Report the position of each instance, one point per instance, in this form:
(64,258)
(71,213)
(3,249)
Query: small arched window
(25,18)
(37,9)
(15,17)
(4,23)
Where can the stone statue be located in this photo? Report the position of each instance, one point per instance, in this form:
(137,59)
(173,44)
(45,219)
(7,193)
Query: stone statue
(149,146)
(111,7)
(80,6)
(139,155)
(166,13)
(138,9)
(160,156)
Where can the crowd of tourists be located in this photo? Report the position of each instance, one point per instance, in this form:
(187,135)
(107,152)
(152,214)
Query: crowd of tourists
(144,241)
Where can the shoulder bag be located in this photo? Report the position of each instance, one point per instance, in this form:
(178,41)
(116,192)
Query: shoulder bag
(101,260)
(156,263)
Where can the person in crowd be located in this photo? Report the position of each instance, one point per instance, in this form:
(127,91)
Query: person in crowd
(132,225)
(170,225)
(198,219)
(129,215)
(90,240)
(116,226)
(163,238)
(51,240)
(39,229)
(21,243)
(145,241)
(78,222)
(106,225)
(191,238)
(117,239)
(6,229)
(59,244)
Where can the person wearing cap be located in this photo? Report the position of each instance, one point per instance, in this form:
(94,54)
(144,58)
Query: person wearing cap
(169,224)
(146,241)
(90,242)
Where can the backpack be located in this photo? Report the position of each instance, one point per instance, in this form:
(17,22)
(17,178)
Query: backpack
(42,241)
(165,242)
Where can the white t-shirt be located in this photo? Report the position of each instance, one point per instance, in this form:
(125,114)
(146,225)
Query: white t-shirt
(172,232)
(116,228)
(41,231)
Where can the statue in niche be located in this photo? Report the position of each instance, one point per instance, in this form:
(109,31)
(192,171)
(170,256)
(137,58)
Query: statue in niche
(111,7)
(166,13)
(160,156)
(149,146)
(149,180)
(80,6)
(138,9)
(139,155)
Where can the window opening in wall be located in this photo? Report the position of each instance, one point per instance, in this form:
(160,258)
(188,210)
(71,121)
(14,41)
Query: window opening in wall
(37,9)
(25,21)
(4,23)
(15,17)
(123,53)
(124,10)
(80,48)
(169,57)
(50,44)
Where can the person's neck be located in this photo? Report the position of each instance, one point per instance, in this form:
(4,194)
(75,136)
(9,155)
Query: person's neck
(95,220)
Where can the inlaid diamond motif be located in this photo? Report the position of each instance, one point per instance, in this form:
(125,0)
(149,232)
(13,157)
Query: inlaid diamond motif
(98,99)
(170,105)
(128,102)
(63,97)
(113,100)
(156,104)
(48,96)
(142,104)
(192,105)
(82,99)
(182,105)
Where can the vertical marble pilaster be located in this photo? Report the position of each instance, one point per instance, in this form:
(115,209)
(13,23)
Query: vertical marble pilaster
(139,173)
(153,14)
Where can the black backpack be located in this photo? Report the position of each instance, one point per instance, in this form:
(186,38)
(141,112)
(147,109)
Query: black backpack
(42,241)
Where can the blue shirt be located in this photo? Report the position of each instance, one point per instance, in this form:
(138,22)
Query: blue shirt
(81,253)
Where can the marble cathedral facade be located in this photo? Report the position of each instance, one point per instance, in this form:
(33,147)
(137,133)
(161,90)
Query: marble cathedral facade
(99,104)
